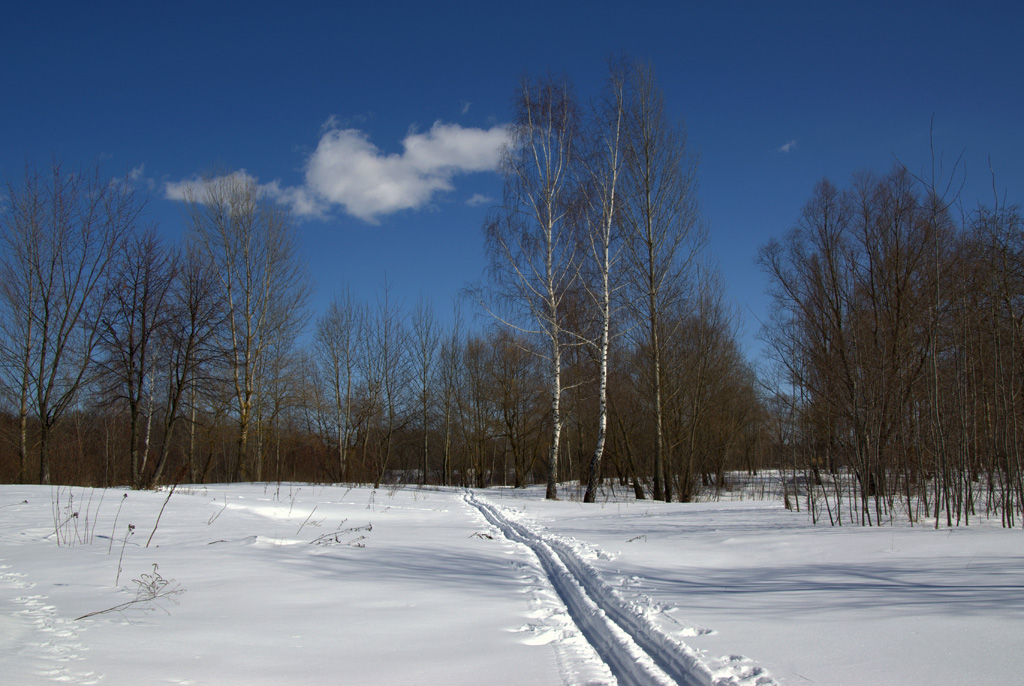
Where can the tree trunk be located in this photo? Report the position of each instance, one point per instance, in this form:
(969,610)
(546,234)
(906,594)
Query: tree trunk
(556,418)
(44,453)
(602,418)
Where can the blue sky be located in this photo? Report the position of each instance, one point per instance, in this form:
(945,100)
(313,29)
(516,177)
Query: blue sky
(324,102)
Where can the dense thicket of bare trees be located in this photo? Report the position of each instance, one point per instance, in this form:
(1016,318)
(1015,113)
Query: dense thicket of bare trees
(897,332)
(61,234)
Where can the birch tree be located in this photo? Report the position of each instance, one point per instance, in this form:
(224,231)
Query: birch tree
(604,166)
(530,240)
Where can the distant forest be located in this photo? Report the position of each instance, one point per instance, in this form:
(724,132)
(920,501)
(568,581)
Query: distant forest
(894,389)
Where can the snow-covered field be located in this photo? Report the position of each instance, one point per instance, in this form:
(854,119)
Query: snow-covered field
(272,584)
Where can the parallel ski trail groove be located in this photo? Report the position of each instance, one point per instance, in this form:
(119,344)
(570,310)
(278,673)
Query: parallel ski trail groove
(636,651)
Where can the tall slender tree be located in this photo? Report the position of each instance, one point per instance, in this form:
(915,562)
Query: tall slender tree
(424,344)
(449,375)
(604,167)
(663,233)
(254,247)
(530,239)
(339,333)
(137,314)
(386,372)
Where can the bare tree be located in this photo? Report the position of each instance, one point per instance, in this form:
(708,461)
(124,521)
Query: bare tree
(993,333)
(813,294)
(339,334)
(449,375)
(663,231)
(386,375)
(476,418)
(425,338)
(281,395)
(253,245)
(530,240)
(142,274)
(195,313)
(858,307)
(604,165)
(516,396)
(703,367)
(23,230)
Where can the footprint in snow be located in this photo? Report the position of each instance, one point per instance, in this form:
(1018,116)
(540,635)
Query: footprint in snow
(56,647)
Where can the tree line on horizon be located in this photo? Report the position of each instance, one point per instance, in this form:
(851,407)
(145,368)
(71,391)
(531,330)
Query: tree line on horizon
(609,351)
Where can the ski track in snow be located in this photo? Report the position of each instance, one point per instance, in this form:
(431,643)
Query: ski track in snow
(56,647)
(636,651)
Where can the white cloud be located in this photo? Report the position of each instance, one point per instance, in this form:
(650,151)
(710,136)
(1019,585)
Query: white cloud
(135,178)
(177,190)
(787,147)
(347,170)
(479,199)
(332,122)
(301,201)
(180,190)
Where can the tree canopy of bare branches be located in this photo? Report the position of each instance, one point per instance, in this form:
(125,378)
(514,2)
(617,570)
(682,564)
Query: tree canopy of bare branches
(253,246)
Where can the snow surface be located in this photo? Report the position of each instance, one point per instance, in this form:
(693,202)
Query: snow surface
(296,583)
